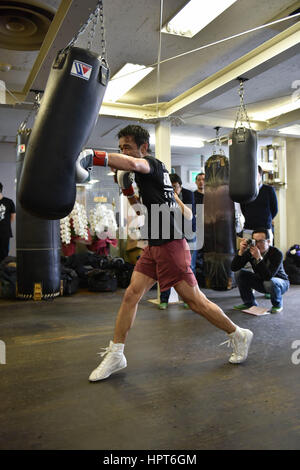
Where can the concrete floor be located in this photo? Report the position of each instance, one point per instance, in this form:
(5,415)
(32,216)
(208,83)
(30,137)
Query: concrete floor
(178,391)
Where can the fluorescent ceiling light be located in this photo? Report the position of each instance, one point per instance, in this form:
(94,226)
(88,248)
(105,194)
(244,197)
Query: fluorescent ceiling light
(195,16)
(293,130)
(181,141)
(124,80)
(276,111)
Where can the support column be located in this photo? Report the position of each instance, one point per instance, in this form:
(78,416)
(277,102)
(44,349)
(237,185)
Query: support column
(293,191)
(163,143)
(280,222)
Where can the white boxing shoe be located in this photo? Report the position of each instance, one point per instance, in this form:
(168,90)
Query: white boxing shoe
(240,342)
(113,362)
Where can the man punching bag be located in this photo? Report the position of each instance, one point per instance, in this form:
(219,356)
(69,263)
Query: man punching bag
(219,225)
(66,118)
(38,245)
(242,156)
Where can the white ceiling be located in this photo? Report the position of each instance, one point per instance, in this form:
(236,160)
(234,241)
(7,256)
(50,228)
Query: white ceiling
(132,35)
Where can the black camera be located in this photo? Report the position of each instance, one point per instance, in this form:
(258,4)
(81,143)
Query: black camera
(250,242)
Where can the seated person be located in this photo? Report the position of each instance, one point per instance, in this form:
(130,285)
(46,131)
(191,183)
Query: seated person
(268,276)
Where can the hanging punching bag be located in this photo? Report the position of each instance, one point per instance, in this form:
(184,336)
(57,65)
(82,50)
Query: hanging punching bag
(66,118)
(243,165)
(219,225)
(38,245)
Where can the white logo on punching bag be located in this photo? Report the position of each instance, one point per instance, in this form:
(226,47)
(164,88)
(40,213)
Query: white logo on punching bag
(81,70)
(2,211)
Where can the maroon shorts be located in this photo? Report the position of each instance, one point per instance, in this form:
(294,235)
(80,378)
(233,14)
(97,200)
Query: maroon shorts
(168,264)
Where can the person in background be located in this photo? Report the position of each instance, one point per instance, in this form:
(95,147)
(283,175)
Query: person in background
(198,255)
(7,216)
(187,197)
(199,192)
(261,211)
(268,276)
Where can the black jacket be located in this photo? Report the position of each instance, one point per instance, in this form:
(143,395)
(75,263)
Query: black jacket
(270,266)
(187,197)
(261,211)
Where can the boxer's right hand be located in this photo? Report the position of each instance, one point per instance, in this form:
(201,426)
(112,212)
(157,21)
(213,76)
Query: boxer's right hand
(125,180)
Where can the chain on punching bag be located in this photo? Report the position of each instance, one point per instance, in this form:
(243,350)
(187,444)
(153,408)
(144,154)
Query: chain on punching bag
(67,115)
(219,223)
(38,244)
(243,186)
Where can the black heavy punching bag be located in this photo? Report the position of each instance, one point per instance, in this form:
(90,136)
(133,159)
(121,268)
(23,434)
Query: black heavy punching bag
(243,165)
(38,245)
(66,118)
(219,225)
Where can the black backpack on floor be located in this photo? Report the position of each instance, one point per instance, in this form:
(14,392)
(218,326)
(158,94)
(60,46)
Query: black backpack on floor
(8,277)
(124,273)
(70,280)
(292,264)
(102,281)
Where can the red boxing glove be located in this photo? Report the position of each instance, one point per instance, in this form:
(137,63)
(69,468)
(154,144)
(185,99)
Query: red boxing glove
(100,158)
(129,192)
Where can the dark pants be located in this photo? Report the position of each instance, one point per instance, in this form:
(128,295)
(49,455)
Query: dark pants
(4,248)
(247,280)
(164,296)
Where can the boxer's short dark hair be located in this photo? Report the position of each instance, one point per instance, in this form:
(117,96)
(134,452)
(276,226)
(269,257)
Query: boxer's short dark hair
(139,134)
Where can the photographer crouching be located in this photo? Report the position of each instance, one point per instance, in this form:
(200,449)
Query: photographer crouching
(268,274)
